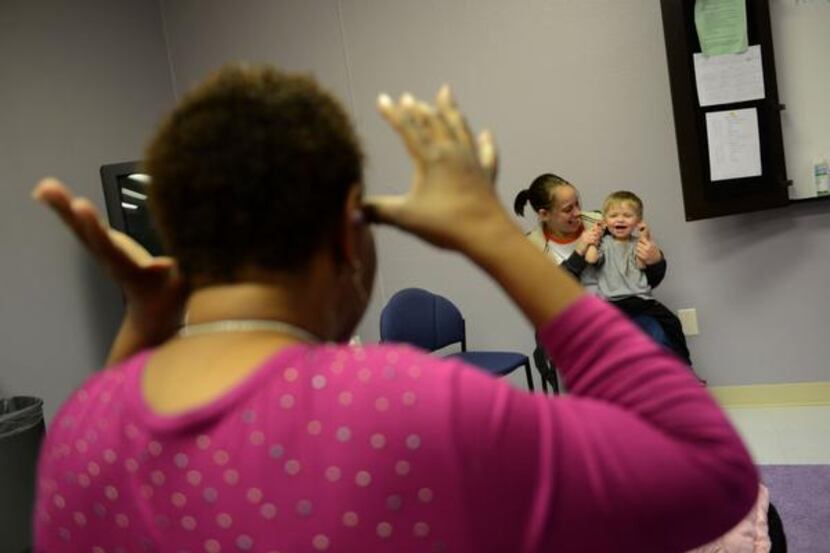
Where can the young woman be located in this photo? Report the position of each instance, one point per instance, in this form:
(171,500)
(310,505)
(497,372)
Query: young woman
(565,232)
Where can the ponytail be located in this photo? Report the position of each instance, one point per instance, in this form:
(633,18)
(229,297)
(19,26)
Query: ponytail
(539,193)
(520,202)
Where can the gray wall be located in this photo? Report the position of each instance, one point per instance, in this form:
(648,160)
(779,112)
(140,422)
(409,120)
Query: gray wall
(83,83)
(578,88)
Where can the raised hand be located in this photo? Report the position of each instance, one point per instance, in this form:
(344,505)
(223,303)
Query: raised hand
(451,198)
(452,204)
(643,231)
(154,291)
(596,233)
(647,251)
(590,237)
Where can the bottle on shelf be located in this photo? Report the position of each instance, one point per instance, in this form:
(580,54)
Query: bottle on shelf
(821,172)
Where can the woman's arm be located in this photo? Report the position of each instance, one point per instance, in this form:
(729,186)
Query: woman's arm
(575,264)
(656,273)
(650,257)
(592,255)
(641,444)
(153,289)
(637,458)
(452,204)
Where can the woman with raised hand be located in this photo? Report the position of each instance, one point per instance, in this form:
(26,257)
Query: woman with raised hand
(253,426)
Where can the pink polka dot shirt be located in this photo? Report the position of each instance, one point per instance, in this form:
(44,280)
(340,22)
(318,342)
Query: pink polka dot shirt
(386,448)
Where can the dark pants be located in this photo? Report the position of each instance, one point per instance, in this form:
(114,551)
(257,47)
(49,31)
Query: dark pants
(672,330)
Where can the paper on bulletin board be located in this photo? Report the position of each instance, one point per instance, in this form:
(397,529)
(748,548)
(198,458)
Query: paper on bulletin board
(721,26)
(734,144)
(729,78)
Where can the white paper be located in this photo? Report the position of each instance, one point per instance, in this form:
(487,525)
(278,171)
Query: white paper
(734,144)
(729,78)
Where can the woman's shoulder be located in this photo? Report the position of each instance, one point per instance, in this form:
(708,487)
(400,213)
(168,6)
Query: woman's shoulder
(92,406)
(537,237)
(106,383)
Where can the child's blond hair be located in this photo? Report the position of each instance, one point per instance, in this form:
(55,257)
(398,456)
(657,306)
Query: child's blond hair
(622,196)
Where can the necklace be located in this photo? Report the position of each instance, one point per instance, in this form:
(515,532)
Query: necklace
(245,325)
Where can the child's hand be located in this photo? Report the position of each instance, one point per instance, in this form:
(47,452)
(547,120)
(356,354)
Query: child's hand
(647,251)
(597,231)
(592,255)
(590,237)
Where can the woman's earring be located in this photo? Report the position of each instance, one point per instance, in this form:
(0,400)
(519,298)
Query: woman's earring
(357,281)
(358,217)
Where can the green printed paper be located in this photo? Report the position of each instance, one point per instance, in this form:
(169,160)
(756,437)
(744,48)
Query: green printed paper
(721,26)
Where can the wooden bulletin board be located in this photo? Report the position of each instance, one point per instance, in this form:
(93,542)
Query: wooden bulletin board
(704,197)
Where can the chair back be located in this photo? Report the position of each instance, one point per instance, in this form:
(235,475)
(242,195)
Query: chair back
(420,318)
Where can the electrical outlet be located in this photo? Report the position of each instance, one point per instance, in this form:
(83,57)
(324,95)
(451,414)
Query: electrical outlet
(688,319)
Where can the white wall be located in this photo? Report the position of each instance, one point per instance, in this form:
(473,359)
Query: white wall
(83,84)
(578,88)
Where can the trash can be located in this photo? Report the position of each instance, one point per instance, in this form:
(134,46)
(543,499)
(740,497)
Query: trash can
(21,431)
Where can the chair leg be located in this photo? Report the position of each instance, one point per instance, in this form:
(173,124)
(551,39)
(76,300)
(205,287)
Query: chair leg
(544,384)
(554,381)
(529,376)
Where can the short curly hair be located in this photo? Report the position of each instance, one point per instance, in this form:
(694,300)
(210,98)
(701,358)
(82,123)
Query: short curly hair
(251,169)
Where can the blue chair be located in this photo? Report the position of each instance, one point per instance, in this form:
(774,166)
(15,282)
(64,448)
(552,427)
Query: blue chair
(431,322)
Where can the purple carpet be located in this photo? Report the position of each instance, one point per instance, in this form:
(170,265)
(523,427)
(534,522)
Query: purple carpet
(801,493)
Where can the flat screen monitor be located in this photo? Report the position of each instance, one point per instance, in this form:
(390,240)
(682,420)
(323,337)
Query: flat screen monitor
(125,193)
